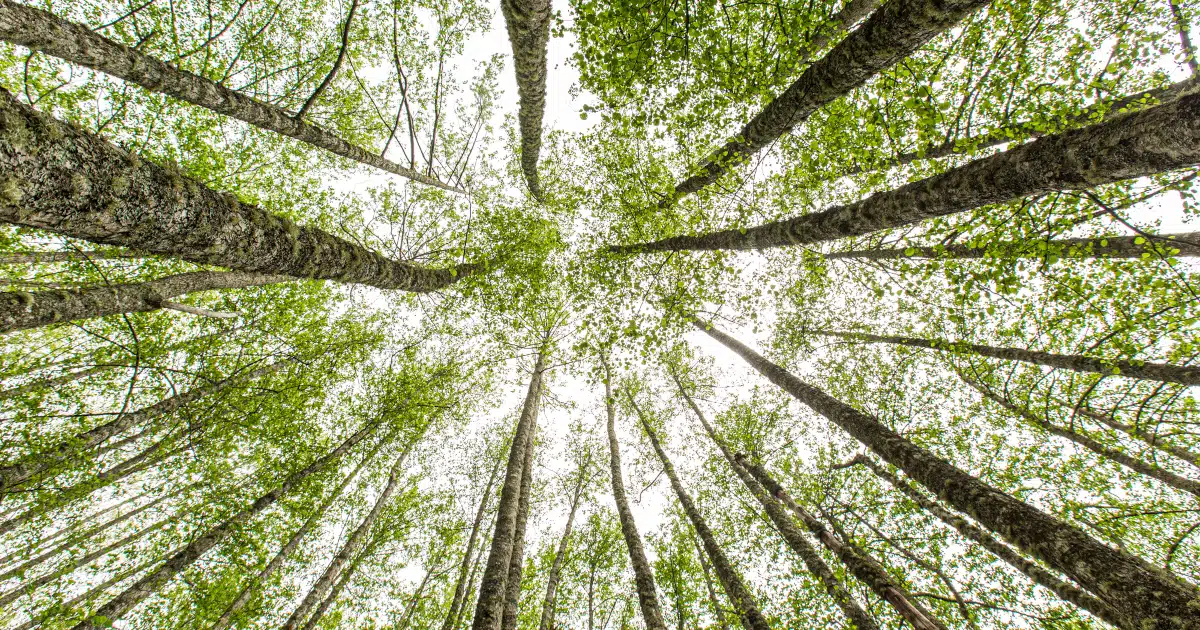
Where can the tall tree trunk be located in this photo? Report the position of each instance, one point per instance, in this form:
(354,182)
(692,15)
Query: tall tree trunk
(1153,140)
(889,36)
(95,191)
(460,589)
(476,565)
(20,310)
(718,611)
(79,522)
(516,562)
(549,602)
(839,23)
(886,588)
(1165,372)
(1032,570)
(86,596)
(528,23)
(183,558)
(729,577)
(35,258)
(1143,596)
(34,464)
(337,64)
(411,608)
(643,574)
(55,382)
(45,32)
(342,582)
(1158,247)
(489,609)
(1151,440)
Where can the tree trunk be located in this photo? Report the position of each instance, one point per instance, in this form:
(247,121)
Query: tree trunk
(95,191)
(735,589)
(1158,247)
(183,558)
(1065,591)
(53,383)
(643,574)
(411,609)
(342,583)
(337,65)
(528,23)
(34,258)
(889,36)
(1142,595)
(548,604)
(86,596)
(475,567)
(489,609)
(460,589)
(718,611)
(34,464)
(1153,441)
(45,32)
(795,539)
(838,25)
(516,562)
(75,525)
(1153,140)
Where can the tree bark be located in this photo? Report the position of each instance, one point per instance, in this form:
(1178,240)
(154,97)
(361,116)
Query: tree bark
(548,603)
(890,35)
(516,562)
(68,181)
(45,32)
(20,310)
(87,595)
(849,15)
(1149,141)
(33,258)
(1141,595)
(718,611)
(1156,248)
(1032,570)
(51,383)
(643,574)
(731,581)
(460,589)
(795,539)
(489,609)
(528,23)
(1153,441)
(118,606)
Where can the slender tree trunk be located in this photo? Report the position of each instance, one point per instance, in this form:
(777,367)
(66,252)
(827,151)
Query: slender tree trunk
(1153,441)
(184,557)
(460,589)
(411,608)
(34,464)
(342,582)
(87,595)
(1032,570)
(643,574)
(718,611)
(95,191)
(528,23)
(75,525)
(1142,595)
(53,383)
(550,601)
(516,562)
(489,609)
(1153,140)
(34,258)
(890,35)
(729,577)
(475,567)
(1186,245)
(45,32)
(337,64)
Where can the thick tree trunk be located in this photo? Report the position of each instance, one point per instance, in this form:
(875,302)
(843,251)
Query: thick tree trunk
(1032,570)
(1159,247)
(550,601)
(729,577)
(489,609)
(33,258)
(1153,140)
(891,34)
(802,547)
(68,181)
(1165,372)
(528,23)
(118,606)
(838,25)
(516,562)
(1142,595)
(460,589)
(642,573)
(45,32)
(39,463)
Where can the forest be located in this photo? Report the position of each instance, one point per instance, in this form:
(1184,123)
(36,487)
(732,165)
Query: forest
(599,314)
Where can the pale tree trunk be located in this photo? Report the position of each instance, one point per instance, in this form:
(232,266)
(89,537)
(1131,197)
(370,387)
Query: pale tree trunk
(52,383)
(1146,142)
(799,544)
(476,565)
(88,595)
(183,558)
(34,258)
(489,609)
(1151,440)
(75,525)
(1032,570)
(411,608)
(516,562)
(528,23)
(548,603)
(718,611)
(1142,596)
(45,32)
(463,585)
(336,591)
(731,580)
(1157,247)
(95,191)
(643,574)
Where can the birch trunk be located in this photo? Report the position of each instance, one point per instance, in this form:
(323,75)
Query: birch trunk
(516,562)
(1158,247)
(35,258)
(460,589)
(548,603)
(1136,433)
(528,23)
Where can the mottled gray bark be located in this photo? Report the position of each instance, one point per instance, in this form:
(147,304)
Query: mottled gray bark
(20,310)
(45,32)
(1032,570)
(892,33)
(337,65)
(797,541)
(1165,372)
(56,177)
(35,464)
(463,584)
(528,23)
(642,573)
(546,622)
(1161,246)
(489,608)
(731,580)
(1141,594)
(33,258)
(718,611)
(335,592)
(838,24)
(1153,140)
(516,561)
(149,584)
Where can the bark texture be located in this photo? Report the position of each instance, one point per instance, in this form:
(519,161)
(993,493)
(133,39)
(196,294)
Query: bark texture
(1150,439)
(460,588)
(516,562)
(45,32)
(34,258)
(20,310)
(1185,245)
(54,382)
(1153,140)
(528,23)
(839,23)
(550,601)
(1141,595)
(56,177)
(337,65)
